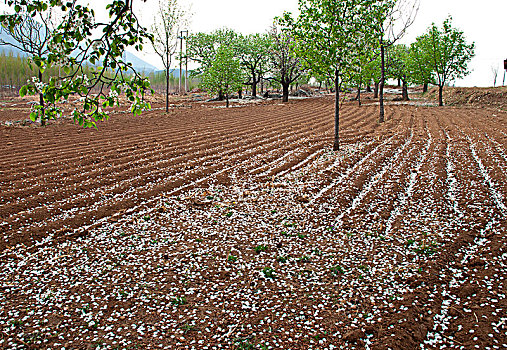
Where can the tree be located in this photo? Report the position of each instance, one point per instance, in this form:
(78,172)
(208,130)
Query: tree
(253,52)
(494,71)
(169,20)
(365,65)
(224,75)
(397,67)
(31,35)
(77,41)
(448,53)
(392,19)
(202,48)
(419,65)
(325,35)
(285,63)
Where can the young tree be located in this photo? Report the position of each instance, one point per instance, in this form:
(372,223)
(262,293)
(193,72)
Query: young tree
(286,65)
(169,20)
(365,65)
(494,71)
(448,53)
(80,39)
(202,48)
(325,34)
(224,75)
(419,65)
(392,19)
(397,67)
(253,52)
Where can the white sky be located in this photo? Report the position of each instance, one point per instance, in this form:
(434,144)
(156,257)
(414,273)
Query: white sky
(483,21)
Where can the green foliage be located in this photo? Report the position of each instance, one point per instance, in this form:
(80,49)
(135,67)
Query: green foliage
(224,75)
(77,41)
(337,270)
(268,272)
(325,44)
(282,259)
(252,51)
(419,63)
(448,53)
(261,248)
(178,301)
(327,36)
(203,48)
(397,61)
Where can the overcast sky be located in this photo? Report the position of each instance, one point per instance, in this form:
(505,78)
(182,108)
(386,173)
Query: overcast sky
(483,21)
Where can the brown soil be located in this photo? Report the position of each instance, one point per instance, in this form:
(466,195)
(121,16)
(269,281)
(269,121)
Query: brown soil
(207,228)
(481,97)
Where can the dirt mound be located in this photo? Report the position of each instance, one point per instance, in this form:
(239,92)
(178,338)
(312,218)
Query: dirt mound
(493,97)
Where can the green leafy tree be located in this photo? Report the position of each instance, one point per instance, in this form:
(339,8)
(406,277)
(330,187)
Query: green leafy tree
(448,53)
(77,41)
(363,70)
(392,18)
(286,65)
(325,35)
(419,64)
(203,48)
(253,54)
(397,67)
(224,75)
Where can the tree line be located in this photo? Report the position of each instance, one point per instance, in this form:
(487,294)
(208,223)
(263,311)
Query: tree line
(346,43)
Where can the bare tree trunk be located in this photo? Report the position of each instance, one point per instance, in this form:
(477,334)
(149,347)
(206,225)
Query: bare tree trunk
(359,95)
(167,90)
(254,84)
(240,94)
(425,88)
(368,87)
(441,94)
(404,91)
(227,100)
(381,85)
(336,145)
(375,90)
(285,92)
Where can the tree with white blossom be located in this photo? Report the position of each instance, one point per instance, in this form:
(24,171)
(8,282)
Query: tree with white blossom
(75,43)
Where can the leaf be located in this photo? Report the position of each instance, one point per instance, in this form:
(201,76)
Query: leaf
(23,91)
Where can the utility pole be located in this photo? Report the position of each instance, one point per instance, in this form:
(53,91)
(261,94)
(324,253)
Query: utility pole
(186,63)
(181,53)
(181,37)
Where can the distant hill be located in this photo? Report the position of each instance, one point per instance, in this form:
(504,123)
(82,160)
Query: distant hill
(138,64)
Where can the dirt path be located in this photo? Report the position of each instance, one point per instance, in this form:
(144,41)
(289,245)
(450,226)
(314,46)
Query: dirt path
(211,228)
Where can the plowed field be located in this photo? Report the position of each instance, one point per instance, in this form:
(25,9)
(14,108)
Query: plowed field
(207,228)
